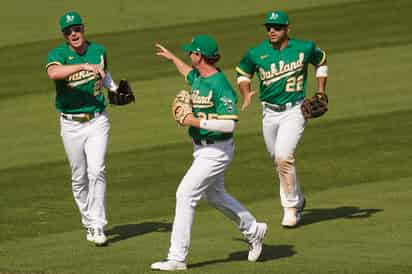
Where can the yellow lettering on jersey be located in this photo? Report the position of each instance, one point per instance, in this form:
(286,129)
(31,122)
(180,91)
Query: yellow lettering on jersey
(80,77)
(202,101)
(285,69)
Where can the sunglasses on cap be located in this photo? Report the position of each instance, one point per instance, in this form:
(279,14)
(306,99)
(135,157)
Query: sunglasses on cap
(275,27)
(75,28)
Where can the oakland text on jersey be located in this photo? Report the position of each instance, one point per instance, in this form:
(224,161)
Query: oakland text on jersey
(202,101)
(79,78)
(285,70)
(83,76)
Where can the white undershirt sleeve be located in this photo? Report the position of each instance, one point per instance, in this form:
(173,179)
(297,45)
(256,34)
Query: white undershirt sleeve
(225,126)
(109,83)
(242,78)
(321,71)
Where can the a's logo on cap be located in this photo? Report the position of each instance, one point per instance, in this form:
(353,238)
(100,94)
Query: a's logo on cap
(69,18)
(274,16)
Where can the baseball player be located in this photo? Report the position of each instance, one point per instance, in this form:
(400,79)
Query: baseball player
(79,70)
(211,127)
(281,64)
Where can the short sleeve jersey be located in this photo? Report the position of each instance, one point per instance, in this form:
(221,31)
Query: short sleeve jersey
(80,92)
(213,98)
(282,73)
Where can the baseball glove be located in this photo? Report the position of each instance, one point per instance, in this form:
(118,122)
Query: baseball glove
(123,95)
(182,106)
(315,106)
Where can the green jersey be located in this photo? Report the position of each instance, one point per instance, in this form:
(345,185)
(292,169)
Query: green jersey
(80,92)
(213,98)
(282,73)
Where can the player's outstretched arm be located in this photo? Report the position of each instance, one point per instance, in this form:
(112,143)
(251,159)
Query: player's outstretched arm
(181,66)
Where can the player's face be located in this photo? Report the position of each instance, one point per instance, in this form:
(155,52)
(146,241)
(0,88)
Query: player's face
(195,58)
(277,33)
(75,36)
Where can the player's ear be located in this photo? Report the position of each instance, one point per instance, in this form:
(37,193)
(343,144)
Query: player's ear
(287,30)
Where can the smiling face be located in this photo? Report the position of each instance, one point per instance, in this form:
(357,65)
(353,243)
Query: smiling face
(74,35)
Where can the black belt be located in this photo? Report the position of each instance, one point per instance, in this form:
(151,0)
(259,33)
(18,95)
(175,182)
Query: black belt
(280,108)
(204,142)
(81,118)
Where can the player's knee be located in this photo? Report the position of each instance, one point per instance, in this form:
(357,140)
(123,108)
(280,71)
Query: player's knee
(79,188)
(97,173)
(211,198)
(186,197)
(285,165)
(79,180)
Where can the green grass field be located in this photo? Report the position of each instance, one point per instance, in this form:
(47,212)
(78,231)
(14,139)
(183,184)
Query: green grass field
(354,163)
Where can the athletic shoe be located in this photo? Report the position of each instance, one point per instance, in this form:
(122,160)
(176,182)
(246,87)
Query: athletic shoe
(90,234)
(292,215)
(96,235)
(99,236)
(168,265)
(255,245)
(302,206)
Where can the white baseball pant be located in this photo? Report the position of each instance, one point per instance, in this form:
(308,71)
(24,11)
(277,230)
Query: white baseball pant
(282,132)
(206,178)
(86,146)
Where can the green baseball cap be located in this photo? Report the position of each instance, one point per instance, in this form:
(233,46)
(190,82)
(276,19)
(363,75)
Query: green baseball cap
(204,44)
(276,18)
(69,19)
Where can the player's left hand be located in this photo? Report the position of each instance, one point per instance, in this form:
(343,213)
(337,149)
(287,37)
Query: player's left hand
(162,51)
(315,106)
(123,95)
(247,100)
(182,107)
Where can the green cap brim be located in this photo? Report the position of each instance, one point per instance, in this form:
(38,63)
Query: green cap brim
(188,48)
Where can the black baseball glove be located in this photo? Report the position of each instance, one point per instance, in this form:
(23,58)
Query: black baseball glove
(123,95)
(315,106)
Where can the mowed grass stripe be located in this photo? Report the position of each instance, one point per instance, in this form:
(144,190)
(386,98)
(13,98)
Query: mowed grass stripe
(143,182)
(350,230)
(131,53)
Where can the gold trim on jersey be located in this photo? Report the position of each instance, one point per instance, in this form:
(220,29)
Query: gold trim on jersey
(323,59)
(228,117)
(243,72)
(52,63)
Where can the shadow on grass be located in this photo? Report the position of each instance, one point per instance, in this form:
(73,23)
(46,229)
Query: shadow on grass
(123,232)
(269,252)
(316,215)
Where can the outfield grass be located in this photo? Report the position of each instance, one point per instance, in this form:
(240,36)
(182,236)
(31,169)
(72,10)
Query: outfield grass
(354,162)
(28,21)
